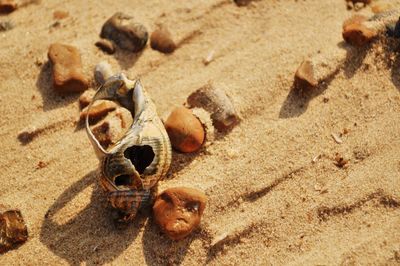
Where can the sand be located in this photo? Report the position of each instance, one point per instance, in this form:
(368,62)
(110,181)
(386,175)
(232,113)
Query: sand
(268,202)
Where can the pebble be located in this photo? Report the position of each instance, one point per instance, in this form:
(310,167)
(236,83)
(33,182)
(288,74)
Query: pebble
(304,76)
(59,14)
(6,25)
(7,6)
(106,46)
(102,72)
(356,33)
(184,130)
(161,40)
(215,101)
(98,110)
(126,33)
(27,134)
(67,68)
(86,98)
(178,211)
(13,230)
(109,130)
(340,161)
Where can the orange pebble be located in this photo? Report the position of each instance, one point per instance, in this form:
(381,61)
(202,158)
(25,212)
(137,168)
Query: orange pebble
(185,130)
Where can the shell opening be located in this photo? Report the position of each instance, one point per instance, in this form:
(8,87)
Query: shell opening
(123,180)
(140,156)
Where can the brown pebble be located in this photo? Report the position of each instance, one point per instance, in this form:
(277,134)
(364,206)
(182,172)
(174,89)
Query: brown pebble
(28,134)
(59,14)
(7,6)
(106,46)
(184,130)
(41,165)
(161,40)
(126,33)
(340,161)
(178,211)
(13,231)
(304,76)
(356,33)
(86,98)
(215,101)
(67,68)
(98,110)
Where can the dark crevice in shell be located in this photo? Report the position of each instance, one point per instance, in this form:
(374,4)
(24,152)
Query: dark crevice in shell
(140,156)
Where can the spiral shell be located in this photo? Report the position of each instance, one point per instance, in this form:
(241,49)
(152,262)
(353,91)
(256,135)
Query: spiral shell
(133,166)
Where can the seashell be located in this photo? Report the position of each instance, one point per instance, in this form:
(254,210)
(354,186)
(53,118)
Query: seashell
(131,168)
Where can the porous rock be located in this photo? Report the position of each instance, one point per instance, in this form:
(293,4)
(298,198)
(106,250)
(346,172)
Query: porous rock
(178,211)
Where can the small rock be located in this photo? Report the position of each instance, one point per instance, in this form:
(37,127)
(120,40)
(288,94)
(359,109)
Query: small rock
(161,40)
(6,25)
(215,101)
(106,46)
(59,14)
(358,34)
(27,134)
(340,161)
(7,6)
(98,110)
(86,98)
(209,58)
(178,211)
(67,68)
(355,2)
(126,33)
(102,72)
(184,130)
(13,231)
(304,76)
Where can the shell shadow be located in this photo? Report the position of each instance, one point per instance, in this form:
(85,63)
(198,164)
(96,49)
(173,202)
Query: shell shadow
(86,237)
(158,249)
(51,99)
(126,59)
(180,161)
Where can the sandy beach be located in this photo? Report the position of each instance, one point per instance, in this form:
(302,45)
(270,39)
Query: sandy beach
(275,194)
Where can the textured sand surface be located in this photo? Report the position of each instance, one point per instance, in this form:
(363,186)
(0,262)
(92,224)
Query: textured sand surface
(268,203)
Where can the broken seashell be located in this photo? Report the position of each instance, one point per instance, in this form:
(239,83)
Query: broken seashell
(13,230)
(132,167)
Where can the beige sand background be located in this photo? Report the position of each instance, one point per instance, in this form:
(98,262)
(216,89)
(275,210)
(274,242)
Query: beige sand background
(265,195)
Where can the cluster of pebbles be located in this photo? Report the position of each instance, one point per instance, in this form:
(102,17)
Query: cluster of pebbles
(357,31)
(177,210)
